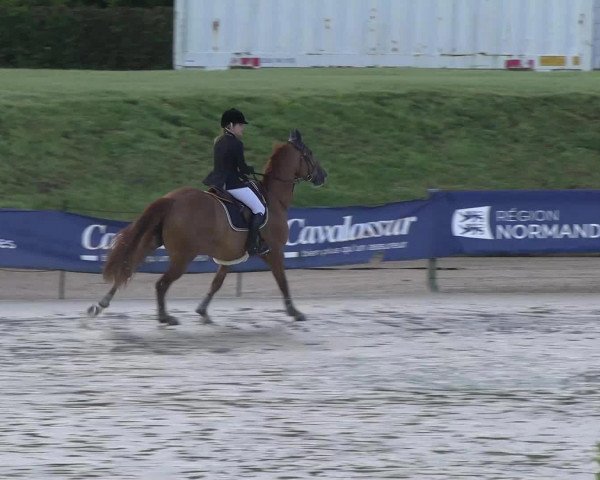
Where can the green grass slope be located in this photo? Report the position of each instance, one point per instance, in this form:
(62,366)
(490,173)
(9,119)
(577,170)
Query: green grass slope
(108,143)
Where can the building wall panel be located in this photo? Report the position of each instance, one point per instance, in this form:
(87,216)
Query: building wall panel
(411,33)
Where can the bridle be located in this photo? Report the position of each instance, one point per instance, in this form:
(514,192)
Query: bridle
(306,156)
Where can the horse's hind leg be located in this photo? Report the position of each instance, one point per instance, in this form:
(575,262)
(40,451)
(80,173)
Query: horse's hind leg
(275,260)
(214,288)
(94,310)
(176,269)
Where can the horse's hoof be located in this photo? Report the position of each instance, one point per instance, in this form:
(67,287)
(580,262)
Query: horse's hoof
(205,318)
(168,320)
(300,317)
(202,311)
(93,311)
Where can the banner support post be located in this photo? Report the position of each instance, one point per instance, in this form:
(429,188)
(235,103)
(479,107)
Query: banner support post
(238,285)
(432,275)
(61,284)
(432,261)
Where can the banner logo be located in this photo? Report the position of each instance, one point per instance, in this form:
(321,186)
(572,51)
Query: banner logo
(472,222)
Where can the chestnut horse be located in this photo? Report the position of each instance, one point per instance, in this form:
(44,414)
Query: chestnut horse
(190,222)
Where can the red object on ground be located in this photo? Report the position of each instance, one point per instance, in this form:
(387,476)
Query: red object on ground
(518,64)
(245,62)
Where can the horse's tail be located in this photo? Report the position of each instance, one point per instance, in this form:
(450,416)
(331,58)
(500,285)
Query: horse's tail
(135,241)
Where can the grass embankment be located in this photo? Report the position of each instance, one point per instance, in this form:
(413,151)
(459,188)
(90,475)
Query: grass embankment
(107,143)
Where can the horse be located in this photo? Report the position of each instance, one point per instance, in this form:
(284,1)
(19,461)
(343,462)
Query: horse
(190,222)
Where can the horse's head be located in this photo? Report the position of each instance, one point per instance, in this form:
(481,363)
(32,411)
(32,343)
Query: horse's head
(309,168)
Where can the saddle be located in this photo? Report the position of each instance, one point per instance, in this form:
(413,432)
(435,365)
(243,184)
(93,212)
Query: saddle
(237,213)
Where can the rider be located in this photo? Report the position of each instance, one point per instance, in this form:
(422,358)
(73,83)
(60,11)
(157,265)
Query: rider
(230,170)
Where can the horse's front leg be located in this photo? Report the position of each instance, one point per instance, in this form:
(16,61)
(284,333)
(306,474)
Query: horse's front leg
(214,288)
(275,260)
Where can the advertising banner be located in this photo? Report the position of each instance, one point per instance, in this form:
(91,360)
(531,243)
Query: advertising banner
(318,237)
(511,222)
(516,222)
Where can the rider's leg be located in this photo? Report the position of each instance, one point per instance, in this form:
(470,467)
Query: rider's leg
(249,198)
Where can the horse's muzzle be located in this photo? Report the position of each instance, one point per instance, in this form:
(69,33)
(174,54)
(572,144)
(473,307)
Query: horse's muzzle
(319,177)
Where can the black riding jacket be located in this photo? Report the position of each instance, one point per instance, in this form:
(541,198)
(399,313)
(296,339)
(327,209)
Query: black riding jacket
(230,167)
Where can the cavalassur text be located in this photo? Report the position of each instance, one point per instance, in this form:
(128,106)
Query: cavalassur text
(302,234)
(95,237)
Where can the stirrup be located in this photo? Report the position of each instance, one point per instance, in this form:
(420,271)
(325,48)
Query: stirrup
(262,248)
(258,248)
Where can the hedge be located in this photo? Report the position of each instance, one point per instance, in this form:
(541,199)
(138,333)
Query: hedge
(117,38)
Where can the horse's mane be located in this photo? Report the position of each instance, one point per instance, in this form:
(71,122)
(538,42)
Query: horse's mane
(277,153)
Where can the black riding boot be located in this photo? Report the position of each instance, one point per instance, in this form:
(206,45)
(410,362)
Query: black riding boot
(255,244)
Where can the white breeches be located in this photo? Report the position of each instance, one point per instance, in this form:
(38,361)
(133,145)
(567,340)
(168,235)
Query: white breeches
(248,198)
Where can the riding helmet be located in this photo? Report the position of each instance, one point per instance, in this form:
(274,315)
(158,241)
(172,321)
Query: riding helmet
(233,115)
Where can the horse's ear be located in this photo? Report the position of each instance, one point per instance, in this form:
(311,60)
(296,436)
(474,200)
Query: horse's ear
(295,137)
